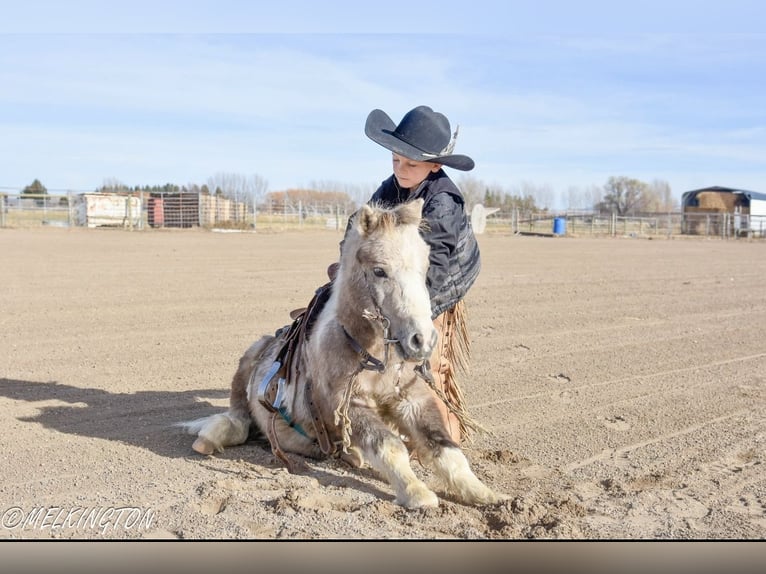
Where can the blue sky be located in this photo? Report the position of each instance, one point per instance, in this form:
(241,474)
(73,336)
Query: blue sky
(557,94)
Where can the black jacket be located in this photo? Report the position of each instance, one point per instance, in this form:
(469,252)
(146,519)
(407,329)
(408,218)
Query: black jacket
(455,260)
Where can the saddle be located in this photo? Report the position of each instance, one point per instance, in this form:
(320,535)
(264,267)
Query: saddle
(286,370)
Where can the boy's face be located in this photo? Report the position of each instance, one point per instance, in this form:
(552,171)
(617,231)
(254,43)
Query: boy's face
(410,173)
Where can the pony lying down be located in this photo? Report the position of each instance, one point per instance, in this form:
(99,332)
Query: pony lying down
(349,377)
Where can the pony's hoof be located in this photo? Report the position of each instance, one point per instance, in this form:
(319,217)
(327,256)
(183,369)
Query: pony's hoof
(489,497)
(353,457)
(498,497)
(419,497)
(203,446)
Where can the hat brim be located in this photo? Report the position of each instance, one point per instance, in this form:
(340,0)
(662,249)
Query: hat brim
(381,129)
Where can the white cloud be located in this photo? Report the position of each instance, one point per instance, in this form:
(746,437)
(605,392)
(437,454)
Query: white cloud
(564,110)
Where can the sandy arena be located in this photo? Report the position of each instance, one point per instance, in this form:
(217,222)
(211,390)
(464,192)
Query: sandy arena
(623,382)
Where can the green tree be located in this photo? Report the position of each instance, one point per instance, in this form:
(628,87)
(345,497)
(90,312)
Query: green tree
(113,185)
(37,191)
(35,188)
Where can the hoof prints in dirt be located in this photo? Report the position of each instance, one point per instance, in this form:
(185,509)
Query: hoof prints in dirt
(525,517)
(751,505)
(617,422)
(332,502)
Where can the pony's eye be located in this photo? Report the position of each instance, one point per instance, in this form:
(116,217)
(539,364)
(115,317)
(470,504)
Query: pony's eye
(379,272)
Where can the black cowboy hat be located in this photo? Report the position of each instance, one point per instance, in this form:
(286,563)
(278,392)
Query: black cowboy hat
(422,135)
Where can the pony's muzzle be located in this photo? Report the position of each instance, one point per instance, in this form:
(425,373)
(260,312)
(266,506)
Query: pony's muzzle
(418,346)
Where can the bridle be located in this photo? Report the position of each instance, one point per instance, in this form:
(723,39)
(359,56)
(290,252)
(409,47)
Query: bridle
(367,361)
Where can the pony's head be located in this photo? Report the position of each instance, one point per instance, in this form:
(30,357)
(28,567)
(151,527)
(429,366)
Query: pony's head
(384,265)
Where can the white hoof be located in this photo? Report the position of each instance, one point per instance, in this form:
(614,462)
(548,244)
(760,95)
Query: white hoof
(493,497)
(204,446)
(418,496)
(484,495)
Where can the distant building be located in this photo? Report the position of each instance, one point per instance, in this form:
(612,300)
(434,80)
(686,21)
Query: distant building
(724,210)
(108,210)
(191,209)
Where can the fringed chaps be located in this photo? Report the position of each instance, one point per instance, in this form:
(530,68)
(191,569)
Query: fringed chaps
(450,359)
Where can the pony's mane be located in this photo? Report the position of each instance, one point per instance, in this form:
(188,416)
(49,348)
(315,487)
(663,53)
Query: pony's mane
(378,216)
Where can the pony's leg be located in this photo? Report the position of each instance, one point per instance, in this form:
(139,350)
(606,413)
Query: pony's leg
(232,427)
(387,454)
(218,431)
(420,418)
(451,466)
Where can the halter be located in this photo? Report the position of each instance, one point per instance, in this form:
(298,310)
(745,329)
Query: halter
(368,362)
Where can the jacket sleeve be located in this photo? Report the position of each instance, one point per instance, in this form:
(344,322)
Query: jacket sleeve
(444,215)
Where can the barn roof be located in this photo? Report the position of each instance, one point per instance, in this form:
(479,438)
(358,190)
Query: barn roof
(687,195)
(752,194)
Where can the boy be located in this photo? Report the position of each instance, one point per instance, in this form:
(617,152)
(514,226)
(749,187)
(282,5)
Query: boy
(421,144)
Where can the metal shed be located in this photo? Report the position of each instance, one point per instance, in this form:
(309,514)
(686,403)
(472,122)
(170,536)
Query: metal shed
(726,210)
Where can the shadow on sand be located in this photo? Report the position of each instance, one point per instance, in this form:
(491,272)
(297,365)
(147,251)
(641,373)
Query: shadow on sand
(145,419)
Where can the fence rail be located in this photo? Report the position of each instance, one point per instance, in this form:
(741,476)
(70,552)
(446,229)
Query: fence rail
(162,210)
(159,210)
(724,225)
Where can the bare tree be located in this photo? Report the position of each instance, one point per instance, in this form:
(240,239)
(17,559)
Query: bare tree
(258,186)
(472,188)
(357,193)
(543,195)
(623,196)
(593,194)
(239,188)
(660,197)
(574,198)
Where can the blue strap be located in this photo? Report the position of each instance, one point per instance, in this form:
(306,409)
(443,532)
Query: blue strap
(291,423)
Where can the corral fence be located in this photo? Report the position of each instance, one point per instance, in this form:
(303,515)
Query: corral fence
(723,225)
(165,210)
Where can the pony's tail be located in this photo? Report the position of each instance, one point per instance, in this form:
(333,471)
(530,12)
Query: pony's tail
(215,432)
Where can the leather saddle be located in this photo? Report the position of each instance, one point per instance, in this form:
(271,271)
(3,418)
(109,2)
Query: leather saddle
(285,367)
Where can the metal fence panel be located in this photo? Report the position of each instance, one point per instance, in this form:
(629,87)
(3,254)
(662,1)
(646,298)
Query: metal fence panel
(724,225)
(155,210)
(24,210)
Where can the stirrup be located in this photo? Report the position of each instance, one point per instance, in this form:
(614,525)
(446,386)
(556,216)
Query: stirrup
(263,389)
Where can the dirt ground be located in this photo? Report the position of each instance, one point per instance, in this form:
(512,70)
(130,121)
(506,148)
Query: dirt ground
(623,382)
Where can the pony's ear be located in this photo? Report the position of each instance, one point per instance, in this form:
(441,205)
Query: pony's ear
(367,219)
(410,212)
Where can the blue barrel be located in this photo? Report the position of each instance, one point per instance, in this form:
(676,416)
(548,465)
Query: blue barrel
(559,226)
